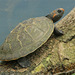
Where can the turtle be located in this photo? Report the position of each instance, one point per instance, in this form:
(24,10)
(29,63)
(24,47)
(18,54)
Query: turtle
(28,36)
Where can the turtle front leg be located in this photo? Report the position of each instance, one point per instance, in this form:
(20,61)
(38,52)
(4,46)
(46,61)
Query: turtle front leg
(24,62)
(57,32)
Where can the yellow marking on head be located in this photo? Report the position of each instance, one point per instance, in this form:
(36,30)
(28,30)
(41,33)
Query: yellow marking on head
(62,9)
(54,15)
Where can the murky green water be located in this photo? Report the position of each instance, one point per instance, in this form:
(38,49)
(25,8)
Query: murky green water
(13,12)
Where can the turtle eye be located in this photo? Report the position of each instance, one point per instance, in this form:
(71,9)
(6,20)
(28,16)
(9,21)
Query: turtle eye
(59,11)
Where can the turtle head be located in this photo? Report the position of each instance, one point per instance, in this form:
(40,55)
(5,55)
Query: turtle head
(56,14)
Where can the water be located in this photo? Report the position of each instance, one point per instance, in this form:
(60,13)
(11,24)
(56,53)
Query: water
(13,12)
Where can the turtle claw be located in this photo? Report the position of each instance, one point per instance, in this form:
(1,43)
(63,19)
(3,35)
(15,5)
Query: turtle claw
(61,32)
(58,32)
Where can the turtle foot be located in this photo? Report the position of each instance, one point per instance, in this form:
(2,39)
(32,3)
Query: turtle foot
(24,62)
(58,32)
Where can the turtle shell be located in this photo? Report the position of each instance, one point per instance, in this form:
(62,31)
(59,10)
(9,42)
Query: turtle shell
(26,37)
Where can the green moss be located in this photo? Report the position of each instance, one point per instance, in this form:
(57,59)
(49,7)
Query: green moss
(73,74)
(38,68)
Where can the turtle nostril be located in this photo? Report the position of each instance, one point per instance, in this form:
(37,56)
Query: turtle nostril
(59,11)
